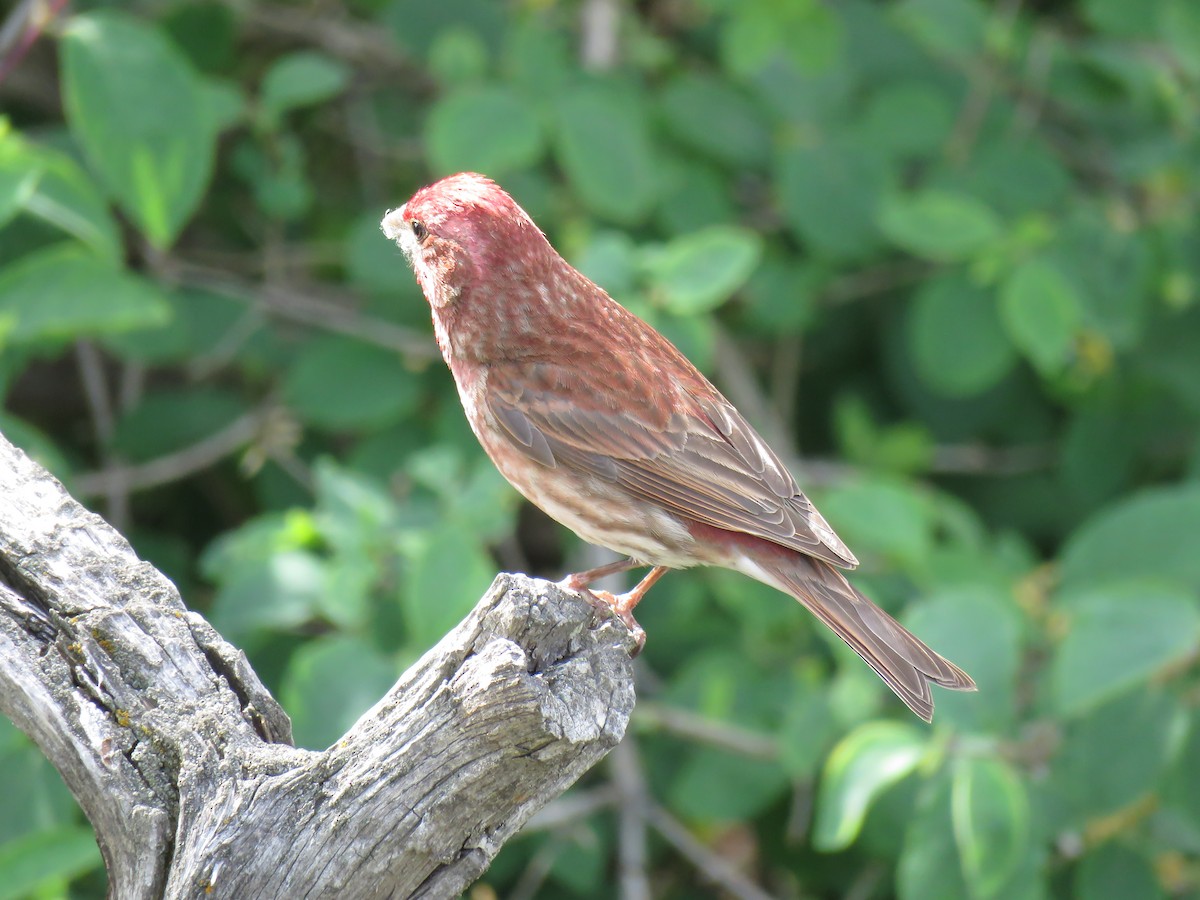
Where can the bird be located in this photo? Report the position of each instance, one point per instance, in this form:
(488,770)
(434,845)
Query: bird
(598,420)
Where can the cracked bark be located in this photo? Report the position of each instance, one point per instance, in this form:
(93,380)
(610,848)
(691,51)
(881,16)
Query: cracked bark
(182,759)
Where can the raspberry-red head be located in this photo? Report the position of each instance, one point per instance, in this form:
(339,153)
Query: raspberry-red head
(496,286)
(464,229)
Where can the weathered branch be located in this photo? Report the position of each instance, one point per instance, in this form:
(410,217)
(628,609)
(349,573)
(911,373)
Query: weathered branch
(182,760)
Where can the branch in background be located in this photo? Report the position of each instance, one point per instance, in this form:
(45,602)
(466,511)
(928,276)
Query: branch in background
(600,25)
(998,462)
(103,418)
(872,281)
(714,869)
(175,466)
(738,380)
(180,757)
(310,305)
(632,796)
(27,21)
(686,724)
(364,44)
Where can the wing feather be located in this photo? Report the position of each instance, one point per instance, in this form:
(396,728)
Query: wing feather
(701,460)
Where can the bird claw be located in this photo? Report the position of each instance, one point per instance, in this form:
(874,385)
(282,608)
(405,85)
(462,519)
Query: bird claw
(614,605)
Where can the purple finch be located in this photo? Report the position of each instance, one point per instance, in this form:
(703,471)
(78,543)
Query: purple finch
(598,420)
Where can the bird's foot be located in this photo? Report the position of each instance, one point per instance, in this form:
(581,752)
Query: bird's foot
(614,605)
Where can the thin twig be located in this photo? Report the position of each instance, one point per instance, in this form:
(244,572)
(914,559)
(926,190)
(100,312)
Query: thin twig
(365,45)
(984,83)
(872,281)
(95,391)
(20,31)
(537,871)
(600,22)
(632,795)
(173,466)
(785,376)
(310,305)
(100,411)
(709,864)
(737,378)
(978,459)
(687,724)
(571,808)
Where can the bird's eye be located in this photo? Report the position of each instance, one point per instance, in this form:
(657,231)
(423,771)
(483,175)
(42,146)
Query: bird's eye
(420,232)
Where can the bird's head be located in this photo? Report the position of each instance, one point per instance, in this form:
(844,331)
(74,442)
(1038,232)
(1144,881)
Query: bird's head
(462,231)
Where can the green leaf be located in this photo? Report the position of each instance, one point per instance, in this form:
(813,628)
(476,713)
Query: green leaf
(1179,26)
(907,119)
(20,171)
(1113,270)
(711,116)
(170,419)
(978,626)
(138,110)
(275,593)
(330,682)
(26,864)
(35,797)
(715,786)
(1113,755)
(581,858)
(955,337)
(699,271)
(808,727)
(829,193)
(199,328)
(446,576)
(953,28)
(1120,18)
(340,384)
(885,515)
(605,148)
(1121,635)
(66,198)
(65,292)
(483,129)
(1042,312)
(1013,177)
(864,763)
(458,56)
(609,258)
(1151,535)
(759,30)
(939,225)
(693,195)
(926,868)
(305,78)
(1181,793)
(991,815)
(39,446)
(1116,872)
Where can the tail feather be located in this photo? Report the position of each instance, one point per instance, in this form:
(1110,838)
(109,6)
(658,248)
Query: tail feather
(902,660)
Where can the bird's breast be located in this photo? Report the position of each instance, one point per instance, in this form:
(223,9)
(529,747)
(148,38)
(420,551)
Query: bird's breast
(597,511)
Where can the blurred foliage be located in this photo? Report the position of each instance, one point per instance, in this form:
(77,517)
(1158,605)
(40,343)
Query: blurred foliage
(950,244)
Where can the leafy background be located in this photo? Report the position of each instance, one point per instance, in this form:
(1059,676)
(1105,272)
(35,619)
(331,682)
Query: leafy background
(943,253)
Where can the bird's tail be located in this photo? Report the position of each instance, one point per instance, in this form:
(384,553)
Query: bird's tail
(901,660)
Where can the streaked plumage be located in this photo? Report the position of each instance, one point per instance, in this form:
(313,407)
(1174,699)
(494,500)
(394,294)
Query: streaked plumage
(600,421)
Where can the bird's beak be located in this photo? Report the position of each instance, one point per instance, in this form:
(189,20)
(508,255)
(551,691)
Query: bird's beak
(395,228)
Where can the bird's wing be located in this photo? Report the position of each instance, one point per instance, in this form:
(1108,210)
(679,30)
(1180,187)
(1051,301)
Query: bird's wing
(676,443)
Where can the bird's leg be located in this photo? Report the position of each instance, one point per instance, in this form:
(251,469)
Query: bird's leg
(621,604)
(581,580)
(624,603)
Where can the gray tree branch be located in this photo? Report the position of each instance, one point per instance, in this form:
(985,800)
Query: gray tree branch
(182,759)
